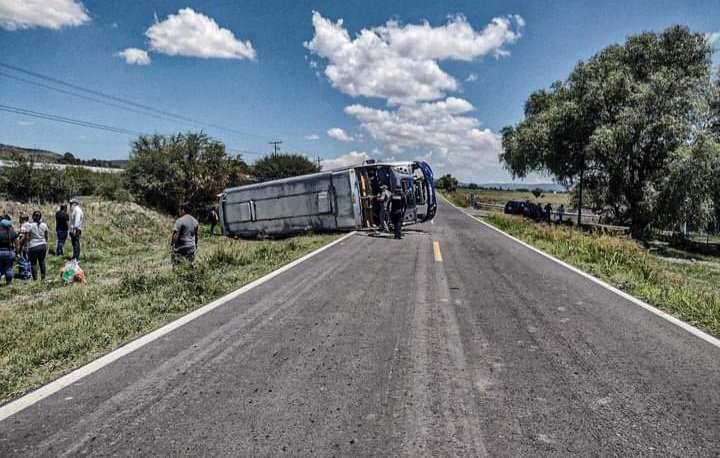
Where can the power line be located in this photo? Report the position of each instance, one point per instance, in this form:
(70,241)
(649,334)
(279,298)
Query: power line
(77,122)
(92,125)
(127,102)
(104,102)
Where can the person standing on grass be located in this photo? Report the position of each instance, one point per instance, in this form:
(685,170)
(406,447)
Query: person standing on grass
(184,240)
(61,229)
(77,222)
(561,212)
(397,211)
(214,220)
(8,248)
(36,240)
(548,212)
(24,270)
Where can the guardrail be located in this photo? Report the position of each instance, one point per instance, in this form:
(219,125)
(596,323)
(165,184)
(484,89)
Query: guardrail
(590,220)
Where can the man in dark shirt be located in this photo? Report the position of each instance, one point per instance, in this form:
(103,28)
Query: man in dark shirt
(8,249)
(61,228)
(397,211)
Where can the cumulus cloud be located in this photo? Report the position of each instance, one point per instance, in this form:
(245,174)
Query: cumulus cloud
(400,62)
(440,132)
(53,14)
(193,34)
(312,137)
(471,77)
(339,134)
(134,56)
(713,37)
(345,160)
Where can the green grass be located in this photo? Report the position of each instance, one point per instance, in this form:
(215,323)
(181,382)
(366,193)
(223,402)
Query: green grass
(489,196)
(690,292)
(47,329)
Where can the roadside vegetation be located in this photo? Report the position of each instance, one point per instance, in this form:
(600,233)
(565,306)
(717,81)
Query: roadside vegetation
(690,291)
(47,329)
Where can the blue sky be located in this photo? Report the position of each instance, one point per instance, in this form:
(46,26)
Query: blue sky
(395,79)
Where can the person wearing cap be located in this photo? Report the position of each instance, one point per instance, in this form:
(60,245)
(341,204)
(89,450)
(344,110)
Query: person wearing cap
(77,222)
(8,249)
(397,211)
(382,199)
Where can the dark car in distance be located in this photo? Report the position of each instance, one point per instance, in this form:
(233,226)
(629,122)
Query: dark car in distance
(515,207)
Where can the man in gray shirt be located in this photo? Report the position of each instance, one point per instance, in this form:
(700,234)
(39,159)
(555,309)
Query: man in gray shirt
(185,236)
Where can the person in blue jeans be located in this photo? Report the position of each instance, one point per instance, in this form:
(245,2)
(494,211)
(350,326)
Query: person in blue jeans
(7,249)
(61,229)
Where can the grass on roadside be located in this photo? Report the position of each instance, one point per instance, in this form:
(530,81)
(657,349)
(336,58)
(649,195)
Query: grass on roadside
(690,292)
(47,329)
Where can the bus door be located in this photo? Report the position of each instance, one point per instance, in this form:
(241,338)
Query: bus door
(408,187)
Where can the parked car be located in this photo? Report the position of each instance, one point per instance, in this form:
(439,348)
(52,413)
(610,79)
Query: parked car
(515,207)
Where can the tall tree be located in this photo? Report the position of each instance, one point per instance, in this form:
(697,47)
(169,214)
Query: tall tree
(282,165)
(616,121)
(166,170)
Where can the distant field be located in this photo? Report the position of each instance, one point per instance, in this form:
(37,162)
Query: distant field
(490,196)
(47,329)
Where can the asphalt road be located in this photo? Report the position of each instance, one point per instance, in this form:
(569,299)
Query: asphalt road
(374,348)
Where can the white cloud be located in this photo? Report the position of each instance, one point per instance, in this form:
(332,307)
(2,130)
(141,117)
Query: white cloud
(339,134)
(471,77)
(345,160)
(400,62)
(312,137)
(26,123)
(52,14)
(713,37)
(439,132)
(193,34)
(134,56)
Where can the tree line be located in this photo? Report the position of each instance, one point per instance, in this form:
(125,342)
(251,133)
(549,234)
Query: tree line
(635,130)
(162,172)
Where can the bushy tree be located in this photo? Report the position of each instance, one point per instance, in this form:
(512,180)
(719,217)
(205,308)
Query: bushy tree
(165,170)
(616,122)
(447,182)
(282,165)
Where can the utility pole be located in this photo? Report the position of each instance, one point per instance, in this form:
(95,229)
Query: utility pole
(276,146)
(318,161)
(580,197)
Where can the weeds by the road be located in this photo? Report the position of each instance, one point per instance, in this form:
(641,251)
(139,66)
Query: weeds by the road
(47,329)
(690,292)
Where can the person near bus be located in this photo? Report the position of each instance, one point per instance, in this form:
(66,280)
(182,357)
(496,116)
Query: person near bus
(383,199)
(184,239)
(397,211)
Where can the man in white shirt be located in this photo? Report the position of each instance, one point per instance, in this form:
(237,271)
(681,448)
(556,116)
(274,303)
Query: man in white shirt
(77,222)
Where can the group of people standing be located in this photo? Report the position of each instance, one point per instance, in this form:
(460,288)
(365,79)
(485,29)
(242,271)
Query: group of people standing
(29,245)
(394,203)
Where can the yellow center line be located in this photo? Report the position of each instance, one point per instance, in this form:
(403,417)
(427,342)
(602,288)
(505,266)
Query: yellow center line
(436,250)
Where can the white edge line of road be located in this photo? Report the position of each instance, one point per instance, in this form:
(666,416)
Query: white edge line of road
(43,392)
(676,321)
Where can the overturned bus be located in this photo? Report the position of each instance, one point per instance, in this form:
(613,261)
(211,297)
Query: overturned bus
(341,199)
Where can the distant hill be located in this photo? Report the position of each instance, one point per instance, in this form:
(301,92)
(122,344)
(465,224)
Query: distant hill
(7,151)
(548,187)
(40,155)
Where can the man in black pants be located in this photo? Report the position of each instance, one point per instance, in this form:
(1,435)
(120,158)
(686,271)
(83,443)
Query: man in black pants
(397,211)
